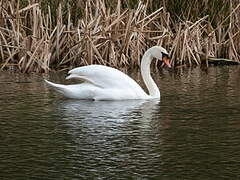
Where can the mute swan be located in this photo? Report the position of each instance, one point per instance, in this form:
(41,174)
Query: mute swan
(106,83)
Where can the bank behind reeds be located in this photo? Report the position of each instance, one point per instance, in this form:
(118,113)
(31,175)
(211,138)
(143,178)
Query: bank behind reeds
(33,40)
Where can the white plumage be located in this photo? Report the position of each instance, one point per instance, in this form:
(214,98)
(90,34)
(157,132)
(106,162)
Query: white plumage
(106,83)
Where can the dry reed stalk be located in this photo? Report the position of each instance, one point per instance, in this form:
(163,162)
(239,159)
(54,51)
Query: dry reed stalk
(115,37)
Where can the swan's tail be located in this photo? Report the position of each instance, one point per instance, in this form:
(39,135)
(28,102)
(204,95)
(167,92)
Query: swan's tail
(58,87)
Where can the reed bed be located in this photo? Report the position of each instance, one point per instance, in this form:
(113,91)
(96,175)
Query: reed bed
(33,40)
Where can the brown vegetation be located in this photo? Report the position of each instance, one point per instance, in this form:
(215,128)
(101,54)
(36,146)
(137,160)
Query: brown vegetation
(32,39)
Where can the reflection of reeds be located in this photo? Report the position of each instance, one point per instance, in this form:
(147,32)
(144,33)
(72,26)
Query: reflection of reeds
(35,38)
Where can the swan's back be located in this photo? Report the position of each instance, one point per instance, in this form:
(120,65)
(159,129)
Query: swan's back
(108,78)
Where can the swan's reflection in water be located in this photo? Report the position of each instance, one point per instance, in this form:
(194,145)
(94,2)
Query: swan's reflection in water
(112,136)
(108,117)
(107,111)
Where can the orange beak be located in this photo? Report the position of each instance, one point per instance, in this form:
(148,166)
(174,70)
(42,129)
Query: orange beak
(166,61)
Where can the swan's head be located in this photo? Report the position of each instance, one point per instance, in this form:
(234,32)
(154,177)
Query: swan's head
(160,53)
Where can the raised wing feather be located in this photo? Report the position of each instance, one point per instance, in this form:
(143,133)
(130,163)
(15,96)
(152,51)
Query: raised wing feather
(106,77)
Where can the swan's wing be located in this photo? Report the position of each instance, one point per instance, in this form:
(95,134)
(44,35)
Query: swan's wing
(82,78)
(104,77)
(100,83)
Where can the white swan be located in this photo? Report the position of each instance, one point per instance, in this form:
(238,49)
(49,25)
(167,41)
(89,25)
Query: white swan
(106,83)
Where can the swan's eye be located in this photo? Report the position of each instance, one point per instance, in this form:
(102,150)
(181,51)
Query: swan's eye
(165,55)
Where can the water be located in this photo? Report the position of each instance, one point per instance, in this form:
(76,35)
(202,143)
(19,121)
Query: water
(192,133)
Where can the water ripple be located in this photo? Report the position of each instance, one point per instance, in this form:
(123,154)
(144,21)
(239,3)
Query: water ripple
(192,133)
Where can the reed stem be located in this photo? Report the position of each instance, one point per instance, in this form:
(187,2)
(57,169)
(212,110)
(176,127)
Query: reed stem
(39,36)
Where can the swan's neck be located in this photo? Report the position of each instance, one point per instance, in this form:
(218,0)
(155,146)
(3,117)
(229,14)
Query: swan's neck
(145,71)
